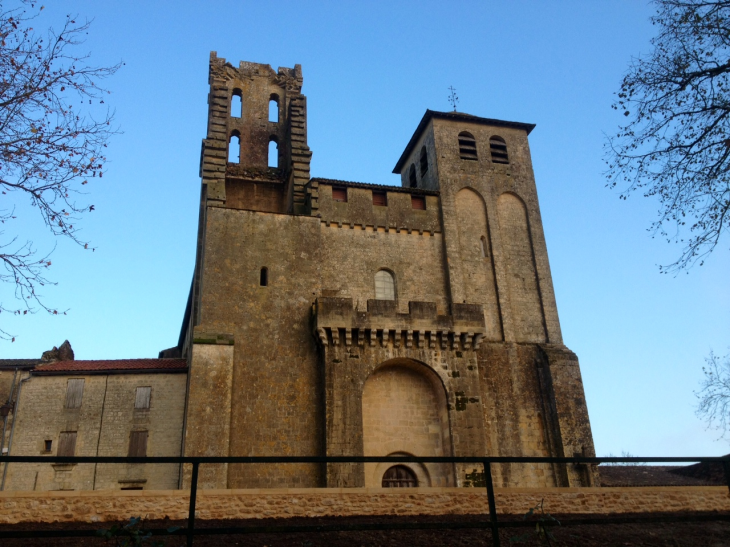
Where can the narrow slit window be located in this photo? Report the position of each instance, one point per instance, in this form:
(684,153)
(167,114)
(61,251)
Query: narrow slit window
(74,392)
(67,444)
(236,104)
(142,398)
(498,150)
(418,203)
(234,149)
(274,108)
(483,247)
(339,194)
(412,177)
(264,277)
(273,154)
(47,445)
(137,444)
(380,199)
(384,285)
(424,161)
(467,146)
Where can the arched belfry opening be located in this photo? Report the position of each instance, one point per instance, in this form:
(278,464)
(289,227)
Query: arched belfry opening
(405,413)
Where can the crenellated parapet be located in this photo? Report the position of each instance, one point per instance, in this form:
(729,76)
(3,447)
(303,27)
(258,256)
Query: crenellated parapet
(337,322)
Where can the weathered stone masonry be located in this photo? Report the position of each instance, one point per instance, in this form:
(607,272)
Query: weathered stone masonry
(329,317)
(293,351)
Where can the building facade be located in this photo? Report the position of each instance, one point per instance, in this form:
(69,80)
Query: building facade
(337,318)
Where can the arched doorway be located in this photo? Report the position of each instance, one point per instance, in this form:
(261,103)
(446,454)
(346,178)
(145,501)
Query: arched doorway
(405,413)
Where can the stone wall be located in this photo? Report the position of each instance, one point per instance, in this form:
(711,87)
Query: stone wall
(276,404)
(104,506)
(293,383)
(102,424)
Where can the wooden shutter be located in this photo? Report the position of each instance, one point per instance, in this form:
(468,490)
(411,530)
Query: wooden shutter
(339,194)
(380,198)
(137,444)
(142,399)
(467,146)
(498,149)
(74,392)
(418,202)
(67,443)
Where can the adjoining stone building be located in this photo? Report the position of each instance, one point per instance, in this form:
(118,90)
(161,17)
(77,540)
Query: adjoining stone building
(338,318)
(131,407)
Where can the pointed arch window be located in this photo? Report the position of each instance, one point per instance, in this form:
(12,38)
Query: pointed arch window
(498,150)
(384,285)
(467,146)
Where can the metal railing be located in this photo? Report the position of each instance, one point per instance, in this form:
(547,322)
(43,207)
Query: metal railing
(494,524)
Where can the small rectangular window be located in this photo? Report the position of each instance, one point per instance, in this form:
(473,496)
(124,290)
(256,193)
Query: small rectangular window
(418,202)
(137,444)
(142,398)
(67,443)
(380,199)
(47,445)
(74,392)
(339,194)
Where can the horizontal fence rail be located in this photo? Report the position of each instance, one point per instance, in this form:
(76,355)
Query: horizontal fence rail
(486,461)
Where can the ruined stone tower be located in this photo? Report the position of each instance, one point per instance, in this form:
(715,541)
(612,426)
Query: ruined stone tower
(338,318)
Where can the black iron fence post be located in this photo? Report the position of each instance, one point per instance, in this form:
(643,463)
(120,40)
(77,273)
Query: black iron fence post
(492,502)
(191,510)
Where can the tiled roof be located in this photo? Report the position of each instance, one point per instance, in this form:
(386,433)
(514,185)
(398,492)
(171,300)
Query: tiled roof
(19,363)
(115,365)
(457,116)
(653,475)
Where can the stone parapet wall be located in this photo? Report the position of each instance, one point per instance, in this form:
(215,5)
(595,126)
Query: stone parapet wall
(107,505)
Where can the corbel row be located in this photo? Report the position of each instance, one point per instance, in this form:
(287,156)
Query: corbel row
(375,227)
(443,339)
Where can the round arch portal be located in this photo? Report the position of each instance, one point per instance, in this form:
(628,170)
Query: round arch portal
(405,412)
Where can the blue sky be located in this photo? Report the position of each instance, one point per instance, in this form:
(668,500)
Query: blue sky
(370,71)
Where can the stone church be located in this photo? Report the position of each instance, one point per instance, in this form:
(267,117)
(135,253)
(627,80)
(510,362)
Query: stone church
(329,317)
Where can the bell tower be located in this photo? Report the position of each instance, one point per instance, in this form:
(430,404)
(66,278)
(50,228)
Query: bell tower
(493,235)
(255,155)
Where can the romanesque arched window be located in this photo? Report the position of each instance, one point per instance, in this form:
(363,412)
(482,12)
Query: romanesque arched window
(467,146)
(236,104)
(274,108)
(384,285)
(424,161)
(498,149)
(273,154)
(399,476)
(234,148)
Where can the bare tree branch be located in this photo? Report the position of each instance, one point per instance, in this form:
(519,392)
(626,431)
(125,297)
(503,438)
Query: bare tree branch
(53,133)
(714,397)
(676,145)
